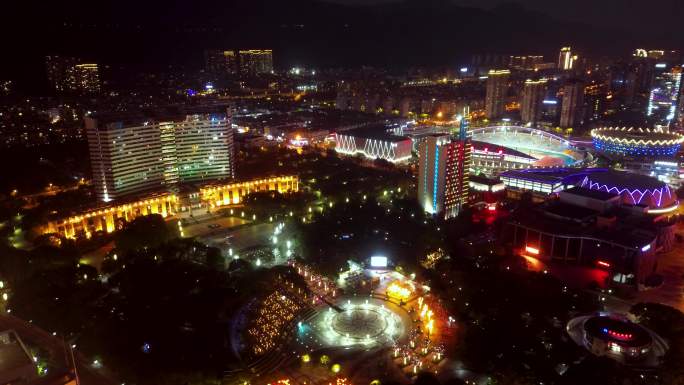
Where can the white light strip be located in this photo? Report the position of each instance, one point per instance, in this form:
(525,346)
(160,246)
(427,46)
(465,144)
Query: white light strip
(665,210)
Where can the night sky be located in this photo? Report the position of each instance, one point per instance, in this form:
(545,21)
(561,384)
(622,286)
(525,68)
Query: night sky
(156,33)
(639,15)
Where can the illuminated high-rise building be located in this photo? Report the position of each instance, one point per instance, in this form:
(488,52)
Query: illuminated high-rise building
(87,78)
(220,62)
(432,155)
(459,162)
(532,99)
(444,166)
(663,100)
(566,60)
(256,61)
(572,107)
(497,87)
(60,71)
(135,154)
(69,75)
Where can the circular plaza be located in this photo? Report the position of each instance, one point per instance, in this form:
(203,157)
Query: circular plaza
(365,322)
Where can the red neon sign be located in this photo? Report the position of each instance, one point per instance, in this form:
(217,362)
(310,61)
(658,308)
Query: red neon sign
(620,336)
(603,263)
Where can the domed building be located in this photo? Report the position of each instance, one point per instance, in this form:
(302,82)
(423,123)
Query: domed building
(634,189)
(614,336)
(636,142)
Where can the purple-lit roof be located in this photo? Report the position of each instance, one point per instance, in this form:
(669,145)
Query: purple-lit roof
(635,189)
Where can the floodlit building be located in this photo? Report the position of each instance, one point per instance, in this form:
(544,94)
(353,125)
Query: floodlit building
(443,172)
(566,60)
(639,193)
(663,100)
(495,99)
(432,154)
(533,97)
(603,219)
(651,152)
(135,154)
(374,144)
(256,61)
(110,217)
(622,142)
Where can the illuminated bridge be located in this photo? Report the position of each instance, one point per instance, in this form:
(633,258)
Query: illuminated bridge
(501,148)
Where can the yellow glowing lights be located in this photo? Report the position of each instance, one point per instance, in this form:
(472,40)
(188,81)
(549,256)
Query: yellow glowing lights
(283,381)
(105,219)
(613,135)
(336,368)
(532,250)
(306,358)
(399,291)
(426,315)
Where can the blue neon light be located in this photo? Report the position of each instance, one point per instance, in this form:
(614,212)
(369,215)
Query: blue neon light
(463,132)
(635,149)
(434,183)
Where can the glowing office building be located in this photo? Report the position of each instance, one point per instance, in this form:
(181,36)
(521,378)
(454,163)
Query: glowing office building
(664,96)
(132,155)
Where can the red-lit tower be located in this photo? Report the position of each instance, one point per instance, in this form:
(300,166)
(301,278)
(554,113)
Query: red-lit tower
(458,161)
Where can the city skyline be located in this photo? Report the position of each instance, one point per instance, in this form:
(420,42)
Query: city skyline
(342,192)
(292,31)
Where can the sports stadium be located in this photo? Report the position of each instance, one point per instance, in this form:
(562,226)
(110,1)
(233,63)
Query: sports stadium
(501,148)
(636,142)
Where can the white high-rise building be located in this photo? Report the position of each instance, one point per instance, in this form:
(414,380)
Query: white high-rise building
(131,155)
(664,97)
(495,99)
(533,97)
